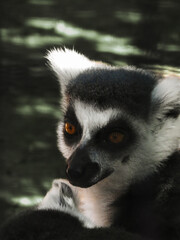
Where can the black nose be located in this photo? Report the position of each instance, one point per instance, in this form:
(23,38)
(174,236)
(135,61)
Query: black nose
(75,172)
(80,174)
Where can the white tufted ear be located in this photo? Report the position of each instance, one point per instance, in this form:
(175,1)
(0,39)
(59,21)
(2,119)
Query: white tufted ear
(166,96)
(67,64)
(165,122)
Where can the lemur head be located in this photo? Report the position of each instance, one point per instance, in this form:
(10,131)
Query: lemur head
(121,123)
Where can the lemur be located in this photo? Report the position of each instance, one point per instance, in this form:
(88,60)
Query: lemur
(120,136)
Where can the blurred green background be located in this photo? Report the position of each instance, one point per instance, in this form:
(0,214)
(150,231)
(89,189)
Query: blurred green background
(136,32)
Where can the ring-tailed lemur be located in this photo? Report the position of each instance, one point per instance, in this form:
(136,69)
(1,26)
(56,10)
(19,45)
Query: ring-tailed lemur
(120,137)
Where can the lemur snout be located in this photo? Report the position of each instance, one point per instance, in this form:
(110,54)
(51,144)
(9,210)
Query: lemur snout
(81,171)
(74,173)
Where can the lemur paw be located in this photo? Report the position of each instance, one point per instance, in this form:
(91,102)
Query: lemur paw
(61,196)
(66,194)
(64,197)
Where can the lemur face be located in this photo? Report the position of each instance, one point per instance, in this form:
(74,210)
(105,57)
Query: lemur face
(114,119)
(93,141)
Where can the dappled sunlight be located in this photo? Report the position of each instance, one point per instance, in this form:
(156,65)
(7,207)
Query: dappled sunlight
(47,184)
(86,13)
(69,30)
(42,2)
(62,33)
(32,41)
(103,42)
(27,194)
(68,33)
(124,47)
(128,16)
(169,47)
(165,70)
(27,201)
(40,145)
(43,23)
(29,107)
(36,108)
(36,71)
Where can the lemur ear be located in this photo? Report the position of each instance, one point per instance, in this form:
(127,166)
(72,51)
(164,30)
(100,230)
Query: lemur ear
(67,64)
(166,97)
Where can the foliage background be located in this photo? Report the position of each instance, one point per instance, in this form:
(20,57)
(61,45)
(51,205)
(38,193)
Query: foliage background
(135,32)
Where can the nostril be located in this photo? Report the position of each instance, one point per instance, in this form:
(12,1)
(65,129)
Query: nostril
(92,169)
(74,173)
(82,174)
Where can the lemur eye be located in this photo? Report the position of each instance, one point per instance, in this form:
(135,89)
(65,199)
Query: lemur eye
(70,128)
(116,137)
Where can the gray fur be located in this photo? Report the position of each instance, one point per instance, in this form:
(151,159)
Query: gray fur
(127,88)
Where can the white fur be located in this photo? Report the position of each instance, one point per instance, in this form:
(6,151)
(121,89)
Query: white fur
(167,92)
(91,118)
(166,131)
(67,64)
(65,150)
(52,201)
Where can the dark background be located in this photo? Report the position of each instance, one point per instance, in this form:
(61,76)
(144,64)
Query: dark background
(145,33)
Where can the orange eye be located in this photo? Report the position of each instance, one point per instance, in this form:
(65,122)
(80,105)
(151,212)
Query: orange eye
(70,128)
(116,137)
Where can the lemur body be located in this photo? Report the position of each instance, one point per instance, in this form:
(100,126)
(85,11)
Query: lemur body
(120,137)
(98,100)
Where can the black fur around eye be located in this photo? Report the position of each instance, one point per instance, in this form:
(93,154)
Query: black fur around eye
(72,129)
(173,113)
(72,133)
(116,136)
